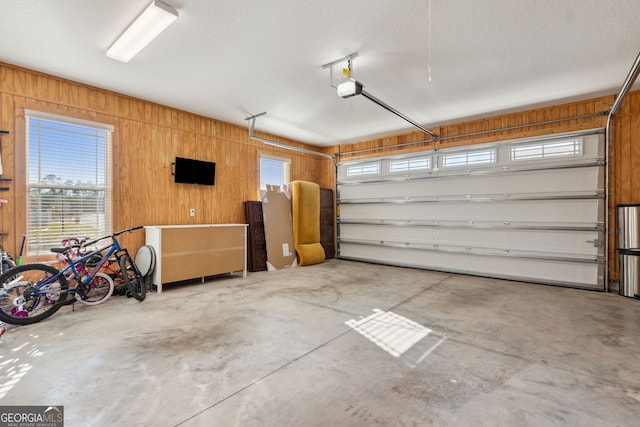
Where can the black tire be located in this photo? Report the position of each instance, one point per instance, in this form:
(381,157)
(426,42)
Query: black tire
(6,265)
(17,307)
(136,286)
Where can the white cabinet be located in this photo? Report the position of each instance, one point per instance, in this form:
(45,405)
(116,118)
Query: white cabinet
(196,251)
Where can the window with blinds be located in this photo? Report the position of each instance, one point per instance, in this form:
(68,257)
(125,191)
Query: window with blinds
(274,171)
(68,180)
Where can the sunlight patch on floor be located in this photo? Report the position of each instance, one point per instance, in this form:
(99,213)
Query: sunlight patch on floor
(14,368)
(393,333)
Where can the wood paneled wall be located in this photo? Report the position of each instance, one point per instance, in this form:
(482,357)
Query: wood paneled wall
(624,168)
(149,136)
(624,152)
(486,130)
(146,140)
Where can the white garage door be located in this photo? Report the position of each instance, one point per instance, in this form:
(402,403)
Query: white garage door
(528,210)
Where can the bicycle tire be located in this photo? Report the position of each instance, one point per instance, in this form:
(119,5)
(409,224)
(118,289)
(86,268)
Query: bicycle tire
(101,289)
(132,277)
(18,310)
(7,264)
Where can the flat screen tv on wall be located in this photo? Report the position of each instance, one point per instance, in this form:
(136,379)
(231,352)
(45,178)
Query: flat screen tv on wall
(191,171)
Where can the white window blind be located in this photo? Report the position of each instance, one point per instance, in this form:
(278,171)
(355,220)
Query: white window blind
(68,180)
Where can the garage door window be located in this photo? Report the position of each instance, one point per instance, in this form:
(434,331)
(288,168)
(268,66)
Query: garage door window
(572,147)
(408,165)
(365,169)
(469,158)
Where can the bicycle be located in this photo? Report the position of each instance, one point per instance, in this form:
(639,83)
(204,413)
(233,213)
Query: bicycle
(127,275)
(111,268)
(31,293)
(102,285)
(6,262)
(144,261)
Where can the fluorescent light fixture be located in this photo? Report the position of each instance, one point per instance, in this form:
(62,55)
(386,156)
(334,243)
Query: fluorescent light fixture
(154,20)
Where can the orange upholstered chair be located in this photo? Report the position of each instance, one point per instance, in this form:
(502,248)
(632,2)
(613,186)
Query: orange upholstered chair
(305,199)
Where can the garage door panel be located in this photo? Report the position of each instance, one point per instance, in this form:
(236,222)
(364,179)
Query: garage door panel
(558,212)
(582,275)
(559,242)
(540,221)
(575,180)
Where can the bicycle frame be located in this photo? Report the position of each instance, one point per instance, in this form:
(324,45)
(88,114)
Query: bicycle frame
(82,275)
(30,293)
(78,268)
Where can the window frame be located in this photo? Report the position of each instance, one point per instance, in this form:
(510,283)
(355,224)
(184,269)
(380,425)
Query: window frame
(412,164)
(285,164)
(577,151)
(351,170)
(491,151)
(71,196)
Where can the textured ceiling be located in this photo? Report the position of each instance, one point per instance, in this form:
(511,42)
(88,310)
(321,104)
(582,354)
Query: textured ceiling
(231,59)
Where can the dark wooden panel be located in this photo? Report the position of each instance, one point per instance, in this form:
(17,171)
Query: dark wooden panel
(256,243)
(327,220)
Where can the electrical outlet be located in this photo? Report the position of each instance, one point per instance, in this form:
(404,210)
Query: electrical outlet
(192,212)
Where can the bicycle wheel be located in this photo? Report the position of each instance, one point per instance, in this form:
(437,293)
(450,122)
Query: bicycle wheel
(18,304)
(132,277)
(97,291)
(7,264)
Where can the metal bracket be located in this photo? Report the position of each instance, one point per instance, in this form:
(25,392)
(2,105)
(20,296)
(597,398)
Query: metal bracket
(252,122)
(349,59)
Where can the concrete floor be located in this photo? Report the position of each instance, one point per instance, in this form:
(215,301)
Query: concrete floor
(274,349)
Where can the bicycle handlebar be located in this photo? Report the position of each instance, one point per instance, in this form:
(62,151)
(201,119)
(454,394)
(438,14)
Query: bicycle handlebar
(83,243)
(117,233)
(67,245)
(113,235)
